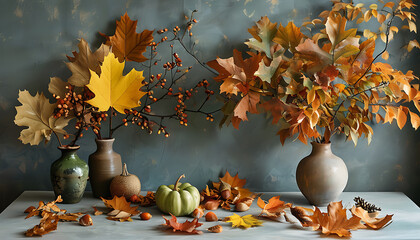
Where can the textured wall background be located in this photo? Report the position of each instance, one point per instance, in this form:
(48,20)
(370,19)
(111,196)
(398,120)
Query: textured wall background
(35,36)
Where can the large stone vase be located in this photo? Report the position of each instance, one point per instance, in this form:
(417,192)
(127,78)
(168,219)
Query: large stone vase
(69,175)
(321,176)
(104,165)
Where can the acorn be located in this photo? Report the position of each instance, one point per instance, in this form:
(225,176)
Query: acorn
(86,220)
(241,207)
(225,190)
(212,204)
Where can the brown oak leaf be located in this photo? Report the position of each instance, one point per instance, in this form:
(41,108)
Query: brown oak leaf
(48,224)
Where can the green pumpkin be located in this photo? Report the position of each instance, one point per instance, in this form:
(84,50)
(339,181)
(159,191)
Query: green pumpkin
(178,201)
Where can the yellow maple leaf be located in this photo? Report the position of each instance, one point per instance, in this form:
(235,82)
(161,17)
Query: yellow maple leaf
(246,221)
(112,89)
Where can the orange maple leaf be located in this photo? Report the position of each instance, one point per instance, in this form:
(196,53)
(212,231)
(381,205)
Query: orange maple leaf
(233,181)
(372,222)
(187,226)
(126,43)
(274,208)
(335,221)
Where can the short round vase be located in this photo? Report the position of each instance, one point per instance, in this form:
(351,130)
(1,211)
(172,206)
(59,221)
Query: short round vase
(321,176)
(104,165)
(69,175)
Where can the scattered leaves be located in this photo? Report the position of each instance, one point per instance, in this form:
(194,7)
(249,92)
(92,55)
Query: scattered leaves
(48,224)
(187,226)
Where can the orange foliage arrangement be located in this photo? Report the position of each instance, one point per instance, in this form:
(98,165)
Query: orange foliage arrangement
(323,78)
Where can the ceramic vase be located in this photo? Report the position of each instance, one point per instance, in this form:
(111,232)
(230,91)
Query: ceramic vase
(321,176)
(104,165)
(69,175)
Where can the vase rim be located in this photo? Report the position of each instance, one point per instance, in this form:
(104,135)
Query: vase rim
(67,147)
(105,139)
(321,144)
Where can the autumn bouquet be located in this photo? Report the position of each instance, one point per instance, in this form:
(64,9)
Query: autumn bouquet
(323,77)
(97,89)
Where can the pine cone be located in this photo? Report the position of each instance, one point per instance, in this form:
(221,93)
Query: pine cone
(360,202)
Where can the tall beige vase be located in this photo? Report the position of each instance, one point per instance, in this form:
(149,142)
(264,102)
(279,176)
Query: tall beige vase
(104,165)
(321,176)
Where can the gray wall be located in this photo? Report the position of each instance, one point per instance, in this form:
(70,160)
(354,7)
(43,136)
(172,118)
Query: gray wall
(35,36)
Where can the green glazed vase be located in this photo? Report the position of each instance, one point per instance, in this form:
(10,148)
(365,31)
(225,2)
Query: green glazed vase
(69,175)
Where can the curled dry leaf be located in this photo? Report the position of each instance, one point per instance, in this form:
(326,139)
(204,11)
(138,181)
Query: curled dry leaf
(302,214)
(30,209)
(122,211)
(96,211)
(372,222)
(187,226)
(47,224)
(274,208)
(245,222)
(145,201)
(47,207)
(215,229)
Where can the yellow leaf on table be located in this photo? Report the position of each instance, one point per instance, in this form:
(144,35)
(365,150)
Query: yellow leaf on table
(112,89)
(246,221)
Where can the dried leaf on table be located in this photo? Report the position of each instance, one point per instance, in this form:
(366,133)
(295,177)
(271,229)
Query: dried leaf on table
(233,181)
(335,221)
(302,214)
(274,208)
(122,211)
(48,224)
(187,226)
(148,200)
(48,207)
(96,211)
(245,222)
(372,222)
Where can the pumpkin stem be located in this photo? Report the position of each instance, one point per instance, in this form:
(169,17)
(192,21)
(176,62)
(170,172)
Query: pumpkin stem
(176,183)
(125,171)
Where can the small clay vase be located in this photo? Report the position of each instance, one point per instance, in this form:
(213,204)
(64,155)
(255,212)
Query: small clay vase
(69,175)
(104,165)
(321,176)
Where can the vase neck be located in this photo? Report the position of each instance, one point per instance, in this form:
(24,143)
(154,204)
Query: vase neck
(318,148)
(68,151)
(104,145)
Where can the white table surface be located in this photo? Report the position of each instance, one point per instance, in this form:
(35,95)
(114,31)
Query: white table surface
(405,225)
